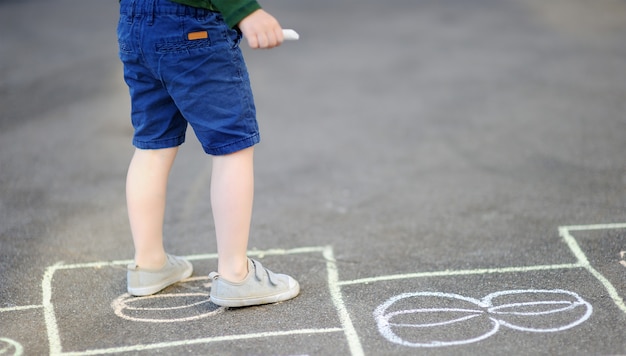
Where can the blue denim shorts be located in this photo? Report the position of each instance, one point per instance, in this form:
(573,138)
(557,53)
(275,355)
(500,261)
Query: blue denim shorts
(184,65)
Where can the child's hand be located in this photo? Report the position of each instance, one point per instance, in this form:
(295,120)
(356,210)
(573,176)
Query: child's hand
(261,30)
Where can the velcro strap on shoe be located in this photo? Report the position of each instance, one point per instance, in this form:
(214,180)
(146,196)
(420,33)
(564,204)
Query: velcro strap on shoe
(259,269)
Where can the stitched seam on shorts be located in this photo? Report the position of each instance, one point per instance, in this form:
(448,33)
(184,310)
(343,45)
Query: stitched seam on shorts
(176,141)
(218,150)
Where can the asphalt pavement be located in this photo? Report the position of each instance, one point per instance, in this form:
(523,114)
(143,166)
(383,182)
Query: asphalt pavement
(441,176)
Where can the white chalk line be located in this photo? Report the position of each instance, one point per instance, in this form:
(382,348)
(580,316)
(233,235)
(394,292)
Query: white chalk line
(450,273)
(473,314)
(567,306)
(564,231)
(20,308)
(207,340)
(356,349)
(593,227)
(52,327)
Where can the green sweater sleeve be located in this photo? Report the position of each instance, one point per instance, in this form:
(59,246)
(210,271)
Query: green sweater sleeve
(232,10)
(235,10)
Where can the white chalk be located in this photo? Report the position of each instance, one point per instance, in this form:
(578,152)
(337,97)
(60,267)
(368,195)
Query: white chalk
(290,35)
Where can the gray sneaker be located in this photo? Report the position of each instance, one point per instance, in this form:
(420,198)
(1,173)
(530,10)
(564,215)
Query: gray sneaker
(145,281)
(261,286)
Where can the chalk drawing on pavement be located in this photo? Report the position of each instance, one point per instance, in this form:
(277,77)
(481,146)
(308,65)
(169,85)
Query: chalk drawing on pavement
(187,301)
(168,307)
(509,309)
(434,319)
(131,308)
(10,347)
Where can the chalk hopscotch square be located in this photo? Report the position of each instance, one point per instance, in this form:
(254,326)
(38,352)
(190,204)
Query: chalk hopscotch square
(94,295)
(432,308)
(484,312)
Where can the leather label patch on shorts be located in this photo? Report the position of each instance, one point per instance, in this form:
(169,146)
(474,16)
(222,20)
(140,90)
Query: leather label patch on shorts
(197,35)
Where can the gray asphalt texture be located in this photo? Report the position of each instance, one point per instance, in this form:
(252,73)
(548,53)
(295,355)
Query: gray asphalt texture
(421,162)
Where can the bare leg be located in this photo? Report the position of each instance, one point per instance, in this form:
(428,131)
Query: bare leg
(232,191)
(146,185)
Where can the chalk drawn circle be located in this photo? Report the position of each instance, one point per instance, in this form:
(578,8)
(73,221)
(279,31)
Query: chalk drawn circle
(433,319)
(165,308)
(538,310)
(10,347)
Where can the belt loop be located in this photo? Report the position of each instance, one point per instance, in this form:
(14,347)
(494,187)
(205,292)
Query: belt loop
(130,11)
(181,10)
(152,12)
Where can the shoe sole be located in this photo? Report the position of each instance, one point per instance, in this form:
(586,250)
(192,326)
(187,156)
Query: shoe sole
(145,291)
(246,302)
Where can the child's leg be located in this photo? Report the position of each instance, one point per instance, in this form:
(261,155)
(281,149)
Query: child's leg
(232,190)
(146,186)
(240,281)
